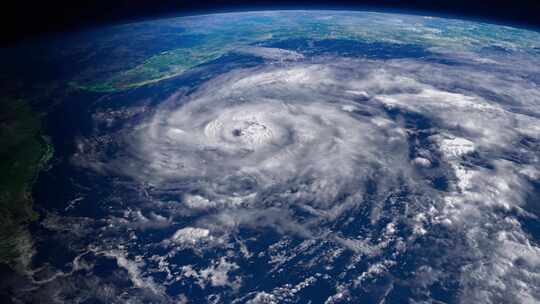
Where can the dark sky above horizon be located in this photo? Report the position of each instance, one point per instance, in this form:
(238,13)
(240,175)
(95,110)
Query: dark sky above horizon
(23,19)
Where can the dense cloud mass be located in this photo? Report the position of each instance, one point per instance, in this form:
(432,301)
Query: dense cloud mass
(268,127)
(309,148)
(311,176)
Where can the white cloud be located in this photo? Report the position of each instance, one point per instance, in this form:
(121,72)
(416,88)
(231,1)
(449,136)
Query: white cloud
(190,236)
(133,269)
(217,274)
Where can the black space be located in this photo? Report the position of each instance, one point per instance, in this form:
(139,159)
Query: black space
(23,19)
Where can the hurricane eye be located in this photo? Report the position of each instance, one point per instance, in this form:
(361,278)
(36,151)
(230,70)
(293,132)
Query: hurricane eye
(237,132)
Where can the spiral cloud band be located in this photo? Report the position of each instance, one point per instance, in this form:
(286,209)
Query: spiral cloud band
(269,128)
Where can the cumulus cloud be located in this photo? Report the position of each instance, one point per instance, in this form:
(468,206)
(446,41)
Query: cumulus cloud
(190,236)
(217,274)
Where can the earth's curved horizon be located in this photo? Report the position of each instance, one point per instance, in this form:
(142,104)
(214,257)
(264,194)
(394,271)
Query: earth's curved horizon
(276,157)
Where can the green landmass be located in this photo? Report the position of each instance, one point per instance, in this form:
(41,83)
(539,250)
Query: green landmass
(24,150)
(156,68)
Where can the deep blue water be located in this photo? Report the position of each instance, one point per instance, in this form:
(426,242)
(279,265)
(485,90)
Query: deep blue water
(351,48)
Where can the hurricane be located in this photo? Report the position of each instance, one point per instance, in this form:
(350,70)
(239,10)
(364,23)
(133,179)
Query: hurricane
(296,147)
(273,128)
